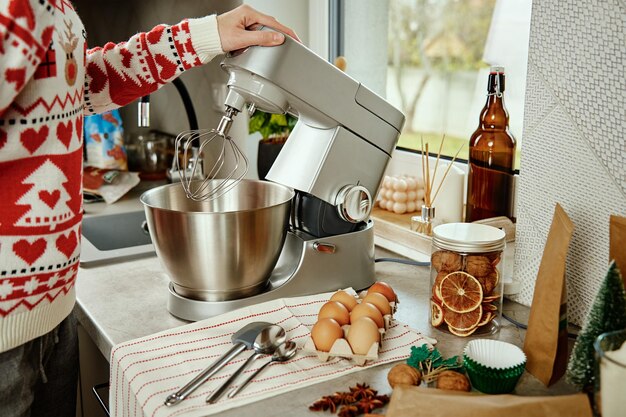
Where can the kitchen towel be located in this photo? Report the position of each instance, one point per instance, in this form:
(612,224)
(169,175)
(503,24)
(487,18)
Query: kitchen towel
(144,371)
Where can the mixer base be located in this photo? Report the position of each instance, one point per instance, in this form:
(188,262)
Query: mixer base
(307,265)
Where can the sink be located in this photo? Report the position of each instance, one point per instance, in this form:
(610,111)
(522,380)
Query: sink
(113,238)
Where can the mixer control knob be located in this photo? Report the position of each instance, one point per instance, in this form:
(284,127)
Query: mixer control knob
(354,203)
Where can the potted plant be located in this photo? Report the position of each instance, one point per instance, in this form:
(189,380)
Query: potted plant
(274,130)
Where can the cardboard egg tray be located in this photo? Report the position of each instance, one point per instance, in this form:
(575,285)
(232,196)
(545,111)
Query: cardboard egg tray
(341,347)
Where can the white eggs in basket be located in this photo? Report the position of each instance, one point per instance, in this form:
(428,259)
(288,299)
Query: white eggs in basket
(401,194)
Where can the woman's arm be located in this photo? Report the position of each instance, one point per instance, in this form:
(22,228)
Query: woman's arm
(118,74)
(26,28)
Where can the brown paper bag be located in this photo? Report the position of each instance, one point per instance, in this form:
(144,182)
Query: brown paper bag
(545,343)
(617,249)
(407,401)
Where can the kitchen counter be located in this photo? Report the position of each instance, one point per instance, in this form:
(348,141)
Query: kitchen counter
(127,300)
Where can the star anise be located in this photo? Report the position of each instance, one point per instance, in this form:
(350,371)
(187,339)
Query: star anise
(366,405)
(349,411)
(343,398)
(361,391)
(323,404)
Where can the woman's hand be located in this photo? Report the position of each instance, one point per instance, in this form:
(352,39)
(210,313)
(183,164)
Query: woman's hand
(234,29)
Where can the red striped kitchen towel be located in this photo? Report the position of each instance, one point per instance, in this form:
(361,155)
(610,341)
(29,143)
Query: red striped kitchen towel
(144,371)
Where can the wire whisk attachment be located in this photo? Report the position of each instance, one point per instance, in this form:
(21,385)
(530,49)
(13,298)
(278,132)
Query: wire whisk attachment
(229,164)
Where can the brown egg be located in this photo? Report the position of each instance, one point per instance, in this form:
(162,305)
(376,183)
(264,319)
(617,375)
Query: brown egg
(385,289)
(344,298)
(380,301)
(334,310)
(324,334)
(367,310)
(362,335)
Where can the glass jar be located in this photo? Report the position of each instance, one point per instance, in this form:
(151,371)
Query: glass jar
(466,278)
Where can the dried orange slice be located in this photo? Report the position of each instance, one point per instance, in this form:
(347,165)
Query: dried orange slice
(487,317)
(489,281)
(461,333)
(489,307)
(436,314)
(461,292)
(463,322)
(491,298)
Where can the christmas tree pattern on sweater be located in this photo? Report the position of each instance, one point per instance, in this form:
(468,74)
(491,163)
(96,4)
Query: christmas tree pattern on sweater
(48,80)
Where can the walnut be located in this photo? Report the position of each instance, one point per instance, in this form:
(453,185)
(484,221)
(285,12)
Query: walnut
(489,282)
(403,374)
(478,266)
(453,381)
(447,261)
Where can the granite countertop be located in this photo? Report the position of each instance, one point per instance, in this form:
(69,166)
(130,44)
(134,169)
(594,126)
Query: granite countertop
(127,300)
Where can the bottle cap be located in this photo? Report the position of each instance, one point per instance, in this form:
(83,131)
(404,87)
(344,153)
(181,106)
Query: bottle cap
(496,69)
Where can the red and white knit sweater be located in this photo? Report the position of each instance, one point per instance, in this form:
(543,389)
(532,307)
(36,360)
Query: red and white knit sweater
(48,81)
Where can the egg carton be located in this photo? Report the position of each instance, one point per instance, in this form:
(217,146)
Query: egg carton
(341,348)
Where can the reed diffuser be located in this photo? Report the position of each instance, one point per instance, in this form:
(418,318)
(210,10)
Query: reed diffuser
(424,223)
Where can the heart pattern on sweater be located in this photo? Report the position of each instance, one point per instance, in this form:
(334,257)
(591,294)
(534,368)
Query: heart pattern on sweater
(98,78)
(32,139)
(64,133)
(50,198)
(67,244)
(168,68)
(28,251)
(154,36)
(79,128)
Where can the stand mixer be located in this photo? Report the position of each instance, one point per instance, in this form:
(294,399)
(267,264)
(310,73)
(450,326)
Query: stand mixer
(334,160)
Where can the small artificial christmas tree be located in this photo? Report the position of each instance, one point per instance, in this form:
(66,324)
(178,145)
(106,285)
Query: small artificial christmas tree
(608,313)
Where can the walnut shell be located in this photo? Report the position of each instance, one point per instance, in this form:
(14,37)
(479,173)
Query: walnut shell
(447,261)
(403,374)
(453,381)
(478,266)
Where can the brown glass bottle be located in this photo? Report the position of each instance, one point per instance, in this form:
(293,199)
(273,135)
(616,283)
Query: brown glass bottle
(491,157)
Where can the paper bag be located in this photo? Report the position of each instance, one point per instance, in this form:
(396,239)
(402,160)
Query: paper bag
(617,249)
(408,401)
(545,343)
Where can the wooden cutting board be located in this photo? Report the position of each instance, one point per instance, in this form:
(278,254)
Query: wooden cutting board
(397,228)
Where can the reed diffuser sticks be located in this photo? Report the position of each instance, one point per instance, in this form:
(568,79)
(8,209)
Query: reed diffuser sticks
(424,223)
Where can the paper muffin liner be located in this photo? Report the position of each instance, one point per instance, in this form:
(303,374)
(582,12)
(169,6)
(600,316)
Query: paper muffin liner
(494,367)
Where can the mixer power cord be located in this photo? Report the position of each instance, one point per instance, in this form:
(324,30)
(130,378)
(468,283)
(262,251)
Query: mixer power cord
(402,261)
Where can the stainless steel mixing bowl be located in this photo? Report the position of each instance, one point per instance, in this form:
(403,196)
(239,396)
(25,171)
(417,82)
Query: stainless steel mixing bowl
(220,249)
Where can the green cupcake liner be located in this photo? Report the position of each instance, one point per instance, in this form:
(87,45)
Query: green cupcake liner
(491,379)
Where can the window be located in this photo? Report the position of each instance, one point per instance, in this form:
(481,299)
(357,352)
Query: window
(434,59)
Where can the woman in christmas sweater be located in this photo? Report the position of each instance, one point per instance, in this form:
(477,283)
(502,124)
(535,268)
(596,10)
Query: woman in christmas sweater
(49,79)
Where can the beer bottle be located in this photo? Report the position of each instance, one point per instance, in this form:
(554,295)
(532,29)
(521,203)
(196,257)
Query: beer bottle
(491,157)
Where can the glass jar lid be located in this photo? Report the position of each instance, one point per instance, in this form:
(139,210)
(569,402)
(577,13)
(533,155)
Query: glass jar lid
(468,237)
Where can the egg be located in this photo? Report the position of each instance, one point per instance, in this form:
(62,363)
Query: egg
(324,333)
(362,335)
(367,310)
(379,300)
(385,289)
(334,310)
(344,298)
